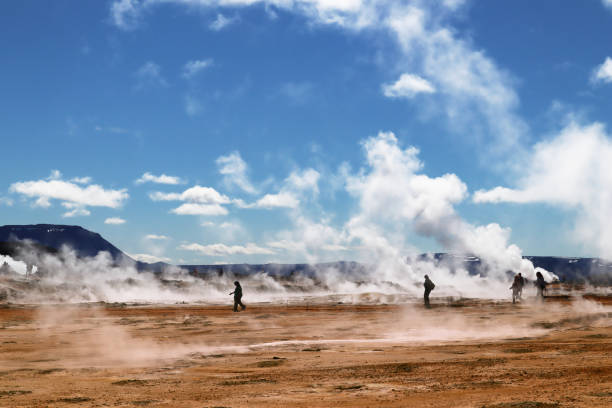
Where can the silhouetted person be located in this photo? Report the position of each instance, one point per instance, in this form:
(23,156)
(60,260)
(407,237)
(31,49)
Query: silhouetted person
(516,287)
(540,284)
(429,286)
(237,296)
(521,283)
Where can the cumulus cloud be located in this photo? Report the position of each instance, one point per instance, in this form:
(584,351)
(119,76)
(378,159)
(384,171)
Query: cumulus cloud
(195,194)
(570,170)
(234,171)
(81,180)
(161,179)
(156,237)
(408,86)
(149,76)
(71,195)
(199,209)
(222,22)
(198,201)
(222,249)
(296,185)
(280,200)
(114,221)
(603,72)
(192,68)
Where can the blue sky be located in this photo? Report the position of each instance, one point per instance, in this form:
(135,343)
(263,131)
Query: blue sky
(267,120)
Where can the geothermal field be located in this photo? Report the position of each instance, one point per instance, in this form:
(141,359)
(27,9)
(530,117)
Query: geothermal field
(358,350)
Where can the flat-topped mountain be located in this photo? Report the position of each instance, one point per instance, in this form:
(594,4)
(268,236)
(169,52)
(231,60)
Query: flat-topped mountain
(84,242)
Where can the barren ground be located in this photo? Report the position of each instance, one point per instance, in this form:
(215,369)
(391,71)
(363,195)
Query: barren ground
(457,354)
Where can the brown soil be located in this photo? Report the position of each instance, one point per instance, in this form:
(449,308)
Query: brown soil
(458,354)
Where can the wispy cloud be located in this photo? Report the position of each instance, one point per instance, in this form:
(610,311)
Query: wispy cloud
(148,258)
(192,68)
(235,172)
(193,106)
(222,22)
(114,221)
(408,86)
(156,237)
(161,179)
(603,72)
(149,76)
(298,92)
(222,249)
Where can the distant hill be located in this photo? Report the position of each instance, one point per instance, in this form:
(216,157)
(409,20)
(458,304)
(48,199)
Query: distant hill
(51,237)
(84,242)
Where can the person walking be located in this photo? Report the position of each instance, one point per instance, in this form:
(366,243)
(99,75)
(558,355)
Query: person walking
(521,283)
(429,286)
(237,296)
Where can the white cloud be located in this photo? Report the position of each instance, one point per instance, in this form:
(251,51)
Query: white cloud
(280,200)
(150,258)
(71,195)
(572,171)
(408,86)
(222,249)
(125,13)
(75,211)
(607,3)
(161,179)
(603,72)
(81,180)
(114,221)
(156,237)
(304,181)
(222,22)
(195,194)
(149,76)
(192,68)
(200,209)
(234,171)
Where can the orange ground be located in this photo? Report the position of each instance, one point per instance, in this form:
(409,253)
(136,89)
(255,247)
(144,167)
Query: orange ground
(462,354)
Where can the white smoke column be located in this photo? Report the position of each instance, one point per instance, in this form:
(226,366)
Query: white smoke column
(395,199)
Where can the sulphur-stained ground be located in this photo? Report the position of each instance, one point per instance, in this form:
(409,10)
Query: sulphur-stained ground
(458,354)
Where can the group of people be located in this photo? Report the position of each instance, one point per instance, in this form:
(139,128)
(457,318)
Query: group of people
(517,289)
(519,282)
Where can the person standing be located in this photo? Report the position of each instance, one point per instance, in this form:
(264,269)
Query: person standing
(516,288)
(429,286)
(540,284)
(237,296)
